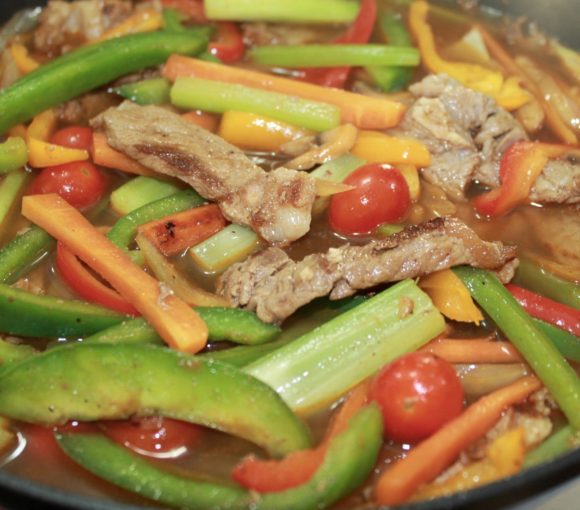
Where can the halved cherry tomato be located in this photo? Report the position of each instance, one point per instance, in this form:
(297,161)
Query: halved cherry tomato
(418,393)
(75,137)
(155,436)
(381,195)
(80,183)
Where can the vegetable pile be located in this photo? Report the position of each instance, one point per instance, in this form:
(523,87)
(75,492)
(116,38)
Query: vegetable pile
(290,271)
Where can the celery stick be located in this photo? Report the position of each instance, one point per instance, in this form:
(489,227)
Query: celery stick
(232,244)
(286,11)
(152,91)
(332,55)
(218,97)
(10,188)
(138,192)
(324,363)
(546,361)
(13,154)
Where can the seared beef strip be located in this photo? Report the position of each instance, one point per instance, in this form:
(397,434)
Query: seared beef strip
(467,134)
(277,204)
(275,286)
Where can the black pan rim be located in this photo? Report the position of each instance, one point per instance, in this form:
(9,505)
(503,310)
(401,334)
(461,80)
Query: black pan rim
(17,493)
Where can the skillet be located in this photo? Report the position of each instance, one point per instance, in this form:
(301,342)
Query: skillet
(557,17)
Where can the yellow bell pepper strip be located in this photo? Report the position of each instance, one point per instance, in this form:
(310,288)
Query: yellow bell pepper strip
(411,175)
(504,457)
(13,154)
(451,296)
(179,325)
(376,147)
(42,154)
(42,126)
(144,20)
(24,61)
(507,92)
(250,131)
(520,166)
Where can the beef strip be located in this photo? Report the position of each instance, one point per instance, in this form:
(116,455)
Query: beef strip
(275,204)
(467,134)
(274,286)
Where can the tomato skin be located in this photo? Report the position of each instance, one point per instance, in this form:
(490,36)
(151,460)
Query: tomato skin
(381,195)
(417,393)
(80,183)
(75,137)
(155,436)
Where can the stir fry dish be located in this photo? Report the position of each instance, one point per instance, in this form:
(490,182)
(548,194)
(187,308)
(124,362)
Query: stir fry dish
(285,254)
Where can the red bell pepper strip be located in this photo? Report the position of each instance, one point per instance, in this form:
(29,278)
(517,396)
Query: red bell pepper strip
(86,285)
(543,308)
(358,33)
(519,168)
(298,467)
(193,9)
(229,47)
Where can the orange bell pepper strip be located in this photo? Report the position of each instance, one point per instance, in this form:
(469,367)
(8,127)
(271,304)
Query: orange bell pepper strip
(507,92)
(176,322)
(206,120)
(520,166)
(430,457)
(84,283)
(256,132)
(173,234)
(473,350)
(298,467)
(42,126)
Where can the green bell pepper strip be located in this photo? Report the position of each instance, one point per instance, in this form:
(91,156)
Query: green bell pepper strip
(533,277)
(392,78)
(25,314)
(91,382)
(151,91)
(567,343)
(22,252)
(124,230)
(13,154)
(350,458)
(238,326)
(549,365)
(332,55)
(557,444)
(87,68)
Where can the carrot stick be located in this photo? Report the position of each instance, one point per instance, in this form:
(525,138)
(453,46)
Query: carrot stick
(362,111)
(557,125)
(430,457)
(175,233)
(206,120)
(105,155)
(179,325)
(473,351)
(298,467)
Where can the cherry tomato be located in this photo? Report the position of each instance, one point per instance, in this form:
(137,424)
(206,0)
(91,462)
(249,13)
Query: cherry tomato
(80,183)
(156,436)
(417,393)
(75,137)
(381,195)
